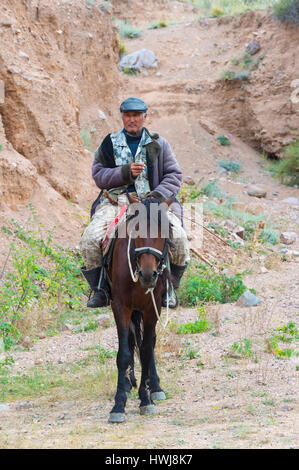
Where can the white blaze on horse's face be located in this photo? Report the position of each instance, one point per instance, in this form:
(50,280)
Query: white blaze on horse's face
(149,230)
(148,270)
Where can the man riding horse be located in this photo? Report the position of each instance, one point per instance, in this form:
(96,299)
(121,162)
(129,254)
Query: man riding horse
(141,163)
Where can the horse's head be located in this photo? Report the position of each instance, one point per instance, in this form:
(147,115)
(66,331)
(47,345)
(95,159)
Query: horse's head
(151,238)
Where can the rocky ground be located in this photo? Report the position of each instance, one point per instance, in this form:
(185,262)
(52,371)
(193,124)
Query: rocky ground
(216,399)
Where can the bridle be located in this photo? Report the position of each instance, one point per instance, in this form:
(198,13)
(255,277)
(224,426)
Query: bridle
(160,255)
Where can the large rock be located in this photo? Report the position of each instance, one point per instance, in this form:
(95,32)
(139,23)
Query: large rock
(256,191)
(248,299)
(139,59)
(288,238)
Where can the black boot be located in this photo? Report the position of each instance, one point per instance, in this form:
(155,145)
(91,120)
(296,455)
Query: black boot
(101,297)
(176,276)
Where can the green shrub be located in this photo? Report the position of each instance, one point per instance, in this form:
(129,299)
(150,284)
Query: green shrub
(287,11)
(249,222)
(212,189)
(202,284)
(216,12)
(189,353)
(87,139)
(286,334)
(287,170)
(127,31)
(190,192)
(199,326)
(121,49)
(218,8)
(230,165)
(157,25)
(224,139)
(243,348)
(130,71)
(42,276)
(106,5)
(231,75)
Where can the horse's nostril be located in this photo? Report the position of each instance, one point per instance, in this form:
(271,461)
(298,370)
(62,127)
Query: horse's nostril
(148,277)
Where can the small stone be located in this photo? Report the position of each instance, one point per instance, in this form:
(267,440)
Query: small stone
(248,299)
(253,47)
(264,270)
(23,405)
(256,191)
(240,231)
(14,70)
(291,200)
(238,239)
(222,171)
(289,256)
(229,224)
(288,238)
(23,55)
(37,362)
(189,180)
(26,342)
(103,320)
(101,114)
(4,407)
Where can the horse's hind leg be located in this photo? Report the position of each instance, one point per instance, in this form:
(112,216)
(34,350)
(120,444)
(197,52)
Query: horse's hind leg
(146,352)
(154,384)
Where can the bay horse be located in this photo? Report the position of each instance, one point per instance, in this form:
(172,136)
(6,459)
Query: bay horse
(133,308)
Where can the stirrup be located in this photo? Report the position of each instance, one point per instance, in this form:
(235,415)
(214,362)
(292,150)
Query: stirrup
(172,298)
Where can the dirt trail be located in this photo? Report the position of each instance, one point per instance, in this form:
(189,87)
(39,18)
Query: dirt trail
(213,401)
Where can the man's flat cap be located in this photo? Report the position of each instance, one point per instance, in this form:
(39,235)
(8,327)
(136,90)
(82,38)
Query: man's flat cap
(133,104)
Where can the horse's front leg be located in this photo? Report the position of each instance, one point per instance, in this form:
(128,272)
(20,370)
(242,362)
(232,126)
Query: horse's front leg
(122,318)
(130,378)
(146,354)
(154,384)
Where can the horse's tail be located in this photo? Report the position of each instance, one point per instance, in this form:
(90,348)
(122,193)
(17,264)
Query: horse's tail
(136,328)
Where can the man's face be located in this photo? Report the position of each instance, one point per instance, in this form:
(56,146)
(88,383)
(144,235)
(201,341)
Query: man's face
(133,122)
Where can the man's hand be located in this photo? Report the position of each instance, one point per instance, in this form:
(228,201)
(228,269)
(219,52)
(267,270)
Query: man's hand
(136,168)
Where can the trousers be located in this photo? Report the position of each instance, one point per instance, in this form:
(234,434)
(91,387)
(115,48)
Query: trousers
(90,243)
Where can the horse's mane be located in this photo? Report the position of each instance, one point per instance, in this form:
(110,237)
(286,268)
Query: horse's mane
(159,217)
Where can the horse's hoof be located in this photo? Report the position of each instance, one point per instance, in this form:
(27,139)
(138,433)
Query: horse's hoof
(148,410)
(158,395)
(117,418)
